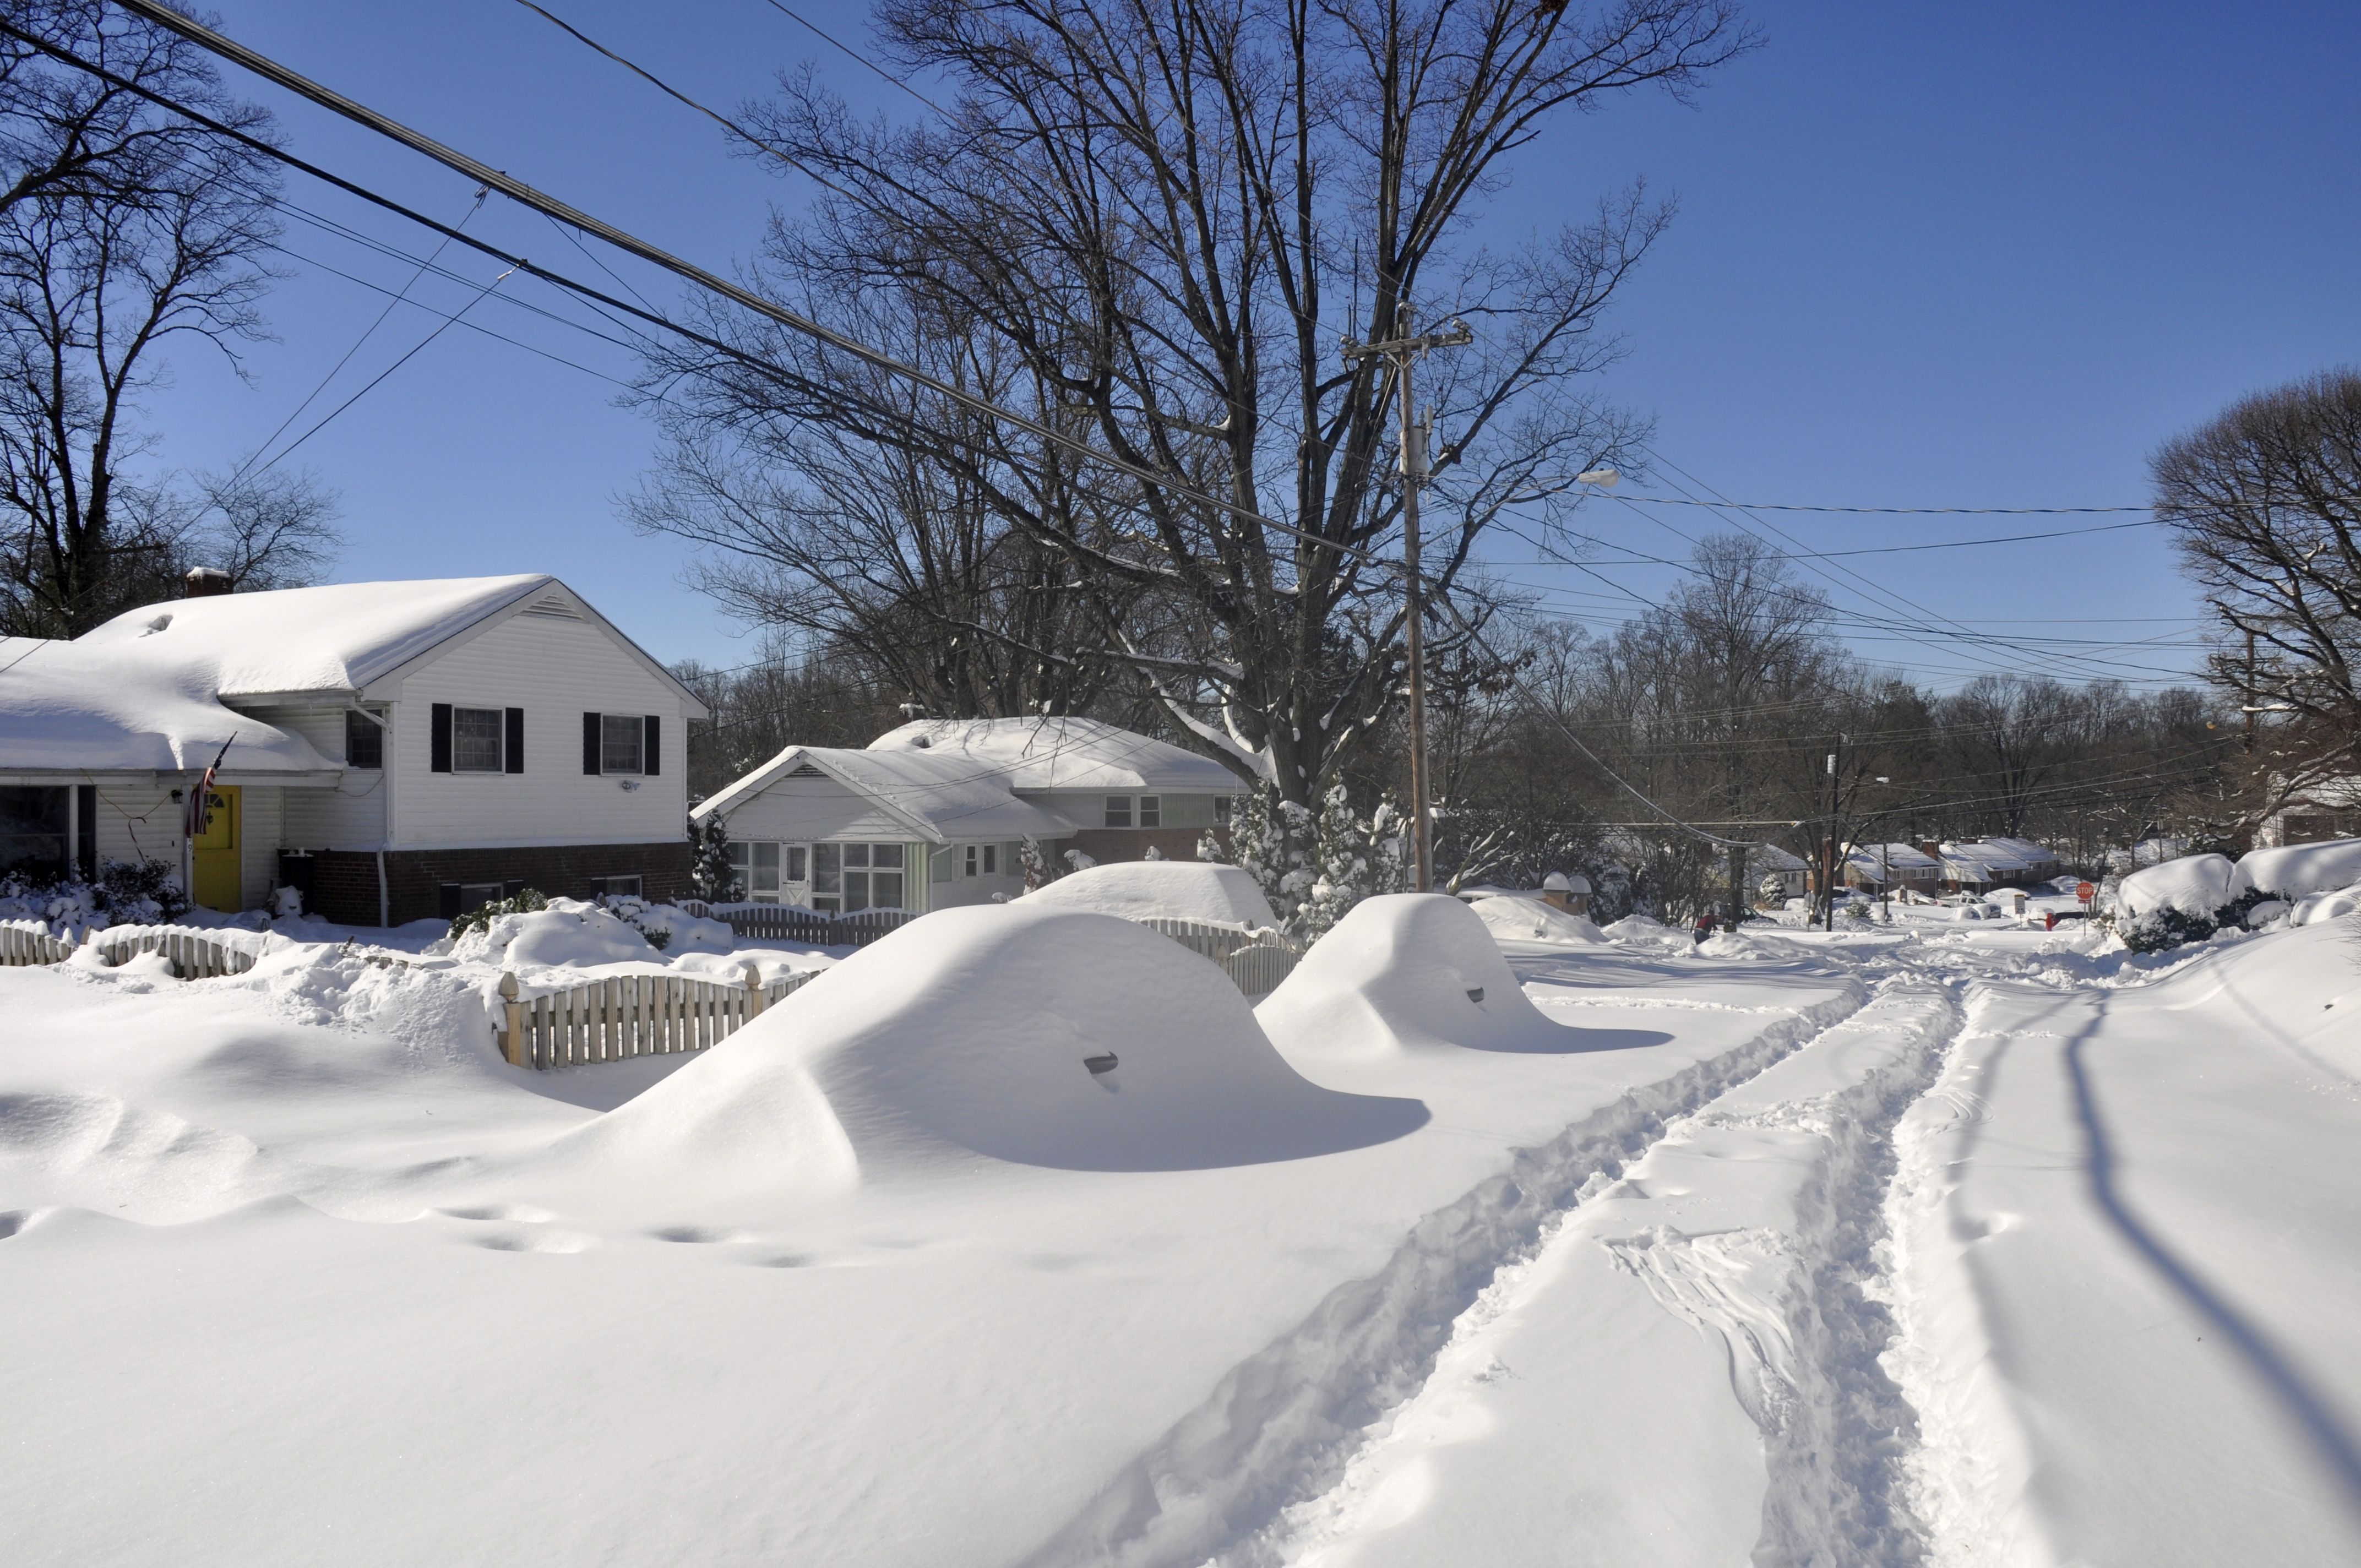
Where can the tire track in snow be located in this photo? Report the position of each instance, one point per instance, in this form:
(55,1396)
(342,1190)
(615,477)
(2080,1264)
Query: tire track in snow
(1281,1427)
(1796,1310)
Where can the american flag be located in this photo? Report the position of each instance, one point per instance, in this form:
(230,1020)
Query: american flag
(196,813)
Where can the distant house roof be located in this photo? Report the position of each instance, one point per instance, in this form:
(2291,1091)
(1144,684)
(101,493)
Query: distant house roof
(1988,858)
(1049,754)
(1900,857)
(939,797)
(340,638)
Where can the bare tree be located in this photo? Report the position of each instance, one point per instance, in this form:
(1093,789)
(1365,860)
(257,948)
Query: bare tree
(2265,501)
(125,228)
(1150,227)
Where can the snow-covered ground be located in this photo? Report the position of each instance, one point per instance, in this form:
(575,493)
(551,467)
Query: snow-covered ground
(1482,1240)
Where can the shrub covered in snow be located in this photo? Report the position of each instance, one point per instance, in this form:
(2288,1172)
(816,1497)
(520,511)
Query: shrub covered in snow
(481,917)
(1313,867)
(715,880)
(125,892)
(669,928)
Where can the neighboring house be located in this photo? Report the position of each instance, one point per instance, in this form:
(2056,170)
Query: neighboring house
(1904,866)
(398,750)
(1988,863)
(2314,813)
(935,813)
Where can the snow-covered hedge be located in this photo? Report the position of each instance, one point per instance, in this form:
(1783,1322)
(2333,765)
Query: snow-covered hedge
(142,893)
(2190,899)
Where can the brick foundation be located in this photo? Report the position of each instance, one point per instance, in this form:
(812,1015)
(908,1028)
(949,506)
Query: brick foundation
(1106,844)
(343,882)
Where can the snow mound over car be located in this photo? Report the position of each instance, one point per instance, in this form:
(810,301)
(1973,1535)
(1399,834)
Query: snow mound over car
(1177,890)
(2302,984)
(1520,917)
(1402,972)
(2297,870)
(1035,1036)
(2195,885)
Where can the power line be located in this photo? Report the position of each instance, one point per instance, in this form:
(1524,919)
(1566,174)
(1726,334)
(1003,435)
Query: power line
(1887,511)
(861,58)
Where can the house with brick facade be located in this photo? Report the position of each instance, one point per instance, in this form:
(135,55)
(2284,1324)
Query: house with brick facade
(396,750)
(937,812)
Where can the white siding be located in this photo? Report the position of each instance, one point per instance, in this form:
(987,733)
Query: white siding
(349,817)
(261,814)
(795,811)
(1088,808)
(138,821)
(556,670)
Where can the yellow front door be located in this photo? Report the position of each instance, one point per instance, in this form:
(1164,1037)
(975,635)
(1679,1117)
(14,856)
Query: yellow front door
(216,853)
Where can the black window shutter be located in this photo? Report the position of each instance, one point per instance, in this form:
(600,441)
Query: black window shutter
(514,885)
(656,751)
(515,747)
(591,743)
(450,889)
(441,745)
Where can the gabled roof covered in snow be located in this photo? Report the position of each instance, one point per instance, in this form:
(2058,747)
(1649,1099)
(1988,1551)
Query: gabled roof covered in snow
(1987,859)
(1048,754)
(68,707)
(939,797)
(1900,857)
(340,638)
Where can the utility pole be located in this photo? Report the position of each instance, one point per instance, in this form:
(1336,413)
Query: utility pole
(2250,705)
(1402,350)
(1828,877)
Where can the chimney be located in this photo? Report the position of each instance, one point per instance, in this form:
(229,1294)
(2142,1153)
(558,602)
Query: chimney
(204,582)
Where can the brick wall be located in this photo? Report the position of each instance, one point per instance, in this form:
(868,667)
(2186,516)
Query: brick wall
(1105,844)
(343,885)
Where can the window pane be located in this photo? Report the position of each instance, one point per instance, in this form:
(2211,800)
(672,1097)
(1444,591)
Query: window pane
(364,742)
(1118,811)
(33,827)
(623,886)
(856,890)
(886,889)
(968,861)
(618,743)
(475,740)
(991,860)
(766,868)
(886,855)
(1151,811)
(741,854)
(825,877)
(796,863)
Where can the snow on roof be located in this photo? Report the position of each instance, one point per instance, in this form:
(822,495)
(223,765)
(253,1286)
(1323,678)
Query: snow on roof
(1900,857)
(68,706)
(337,638)
(2025,849)
(1064,753)
(1989,858)
(940,796)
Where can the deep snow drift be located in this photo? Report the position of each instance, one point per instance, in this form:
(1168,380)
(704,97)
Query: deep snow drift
(1040,1035)
(1178,890)
(1522,917)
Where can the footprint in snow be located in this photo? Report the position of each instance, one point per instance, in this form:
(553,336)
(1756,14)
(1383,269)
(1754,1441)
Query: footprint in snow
(536,1241)
(508,1213)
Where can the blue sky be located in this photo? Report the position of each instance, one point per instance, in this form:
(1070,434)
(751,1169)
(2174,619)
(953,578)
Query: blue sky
(1927,256)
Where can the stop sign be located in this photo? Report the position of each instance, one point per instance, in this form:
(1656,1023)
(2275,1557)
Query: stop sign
(2085,892)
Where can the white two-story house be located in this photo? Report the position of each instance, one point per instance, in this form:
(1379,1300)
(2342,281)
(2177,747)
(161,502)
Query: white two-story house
(397,750)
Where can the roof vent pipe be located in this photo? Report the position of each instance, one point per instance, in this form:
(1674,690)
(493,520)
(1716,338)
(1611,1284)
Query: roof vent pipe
(204,582)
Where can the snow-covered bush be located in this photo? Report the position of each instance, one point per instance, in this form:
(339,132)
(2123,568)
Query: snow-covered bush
(711,873)
(667,927)
(125,892)
(1039,870)
(1313,869)
(481,917)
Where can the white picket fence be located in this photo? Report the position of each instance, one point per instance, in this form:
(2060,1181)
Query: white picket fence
(631,1015)
(29,942)
(1256,959)
(195,954)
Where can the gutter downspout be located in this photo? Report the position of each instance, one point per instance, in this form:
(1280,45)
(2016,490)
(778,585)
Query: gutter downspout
(384,900)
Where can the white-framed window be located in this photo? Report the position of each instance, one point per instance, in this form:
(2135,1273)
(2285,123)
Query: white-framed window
(980,859)
(1151,811)
(1225,807)
(615,886)
(846,877)
(991,860)
(766,871)
(1118,811)
(477,734)
(623,747)
(363,741)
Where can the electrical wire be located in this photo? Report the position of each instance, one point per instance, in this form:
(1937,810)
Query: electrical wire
(1891,511)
